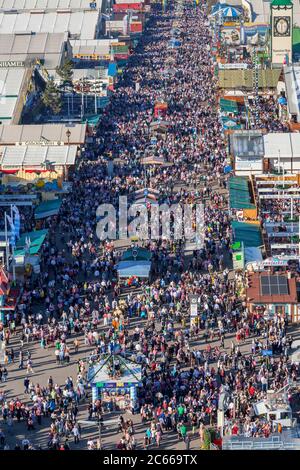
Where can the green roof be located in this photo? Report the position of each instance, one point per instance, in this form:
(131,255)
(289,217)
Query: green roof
(141,254)
(36,240)
(239,194)
(281,3)
(228,106)
(249,234)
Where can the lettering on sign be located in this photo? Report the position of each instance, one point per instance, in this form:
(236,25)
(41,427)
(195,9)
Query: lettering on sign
(11,63)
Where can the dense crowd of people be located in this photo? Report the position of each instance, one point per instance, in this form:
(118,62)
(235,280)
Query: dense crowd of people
(75,303)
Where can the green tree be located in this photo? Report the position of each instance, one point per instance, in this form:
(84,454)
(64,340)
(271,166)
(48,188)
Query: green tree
(51,97)
(66,73)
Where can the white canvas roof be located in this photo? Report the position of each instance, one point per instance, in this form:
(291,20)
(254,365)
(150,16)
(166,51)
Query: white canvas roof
(48,4)
(11,81)
(25,47)
(81,24)
(35,156)
(292,82)
(38,132)
(282,145)
(92,46)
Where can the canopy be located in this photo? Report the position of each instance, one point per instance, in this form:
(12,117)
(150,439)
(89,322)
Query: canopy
(228,106)
(47,209)
(137,254)
(230,124)
(253,254)
(239,194)
(249,234)
(100,376)
(230,12)
(112,69)
(128,269)
(93,120)
(34,240)
(225,11)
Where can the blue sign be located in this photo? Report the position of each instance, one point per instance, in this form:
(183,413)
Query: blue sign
(146,192)
(267,352)
(227,169)
(93,5)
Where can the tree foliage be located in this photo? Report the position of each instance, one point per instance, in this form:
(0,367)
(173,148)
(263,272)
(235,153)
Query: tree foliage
(66,73)
(51,97)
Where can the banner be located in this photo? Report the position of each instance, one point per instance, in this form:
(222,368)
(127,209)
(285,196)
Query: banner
(17,220)
(193,306)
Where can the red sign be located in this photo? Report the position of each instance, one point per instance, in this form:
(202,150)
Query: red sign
(136,27)
(127,6)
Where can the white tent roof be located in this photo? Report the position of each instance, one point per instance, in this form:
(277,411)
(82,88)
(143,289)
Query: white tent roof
(47,4)
(282,145)
(81,24)
(37,132)
(35,156)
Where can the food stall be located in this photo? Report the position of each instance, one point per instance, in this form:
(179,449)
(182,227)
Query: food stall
(115,379)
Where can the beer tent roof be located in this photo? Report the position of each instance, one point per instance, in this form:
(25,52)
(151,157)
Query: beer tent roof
(239,193)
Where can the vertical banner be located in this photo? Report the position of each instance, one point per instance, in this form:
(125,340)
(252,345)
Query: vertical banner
(125,25)
(193,309)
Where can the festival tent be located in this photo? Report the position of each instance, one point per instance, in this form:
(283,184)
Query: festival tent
(30,243)
(47,209)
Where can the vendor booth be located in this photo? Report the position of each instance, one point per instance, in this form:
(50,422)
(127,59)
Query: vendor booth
(115,379)
(160,109)
(135,263)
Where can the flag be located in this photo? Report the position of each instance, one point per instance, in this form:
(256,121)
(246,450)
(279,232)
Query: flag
(12,230)
(17,220)
(27,243)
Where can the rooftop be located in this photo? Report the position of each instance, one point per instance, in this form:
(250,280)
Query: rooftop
(10,135)
(256,294)
(26,47)
(80,24)
(244,78)
(35,156)
(47,5)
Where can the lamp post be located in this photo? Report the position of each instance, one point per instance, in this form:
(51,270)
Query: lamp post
(68,134)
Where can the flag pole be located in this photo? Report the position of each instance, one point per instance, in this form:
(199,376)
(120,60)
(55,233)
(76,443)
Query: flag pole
(6,243)
(13,248)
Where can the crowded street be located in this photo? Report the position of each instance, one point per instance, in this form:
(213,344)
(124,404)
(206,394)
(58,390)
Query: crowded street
(77,310)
